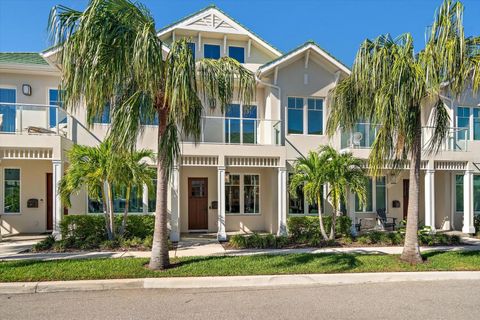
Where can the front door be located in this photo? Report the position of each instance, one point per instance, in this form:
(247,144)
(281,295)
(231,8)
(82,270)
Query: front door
(49,202)
(406,190)
(197,203)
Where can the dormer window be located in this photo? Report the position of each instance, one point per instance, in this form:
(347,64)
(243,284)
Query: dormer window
(237,53)
(211,51)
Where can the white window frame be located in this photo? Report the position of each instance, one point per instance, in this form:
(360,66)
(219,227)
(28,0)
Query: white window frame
(470,120)
(17,118)
(241,118)
(3,192)
(305,115)
(455,192)
(374,197)
(242,194)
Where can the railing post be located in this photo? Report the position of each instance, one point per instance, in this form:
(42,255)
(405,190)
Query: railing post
(20,119)
(56,120)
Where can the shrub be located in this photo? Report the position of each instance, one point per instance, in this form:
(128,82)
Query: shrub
(45,244)
(307,229)
(139,226)
(476,223)
(82,231)
(59,246)
(257,241)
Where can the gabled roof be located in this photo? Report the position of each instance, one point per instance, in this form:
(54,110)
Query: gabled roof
(211,18)
(309,45)
(25,58)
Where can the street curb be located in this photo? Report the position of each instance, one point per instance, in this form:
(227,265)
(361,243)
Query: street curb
(234,281)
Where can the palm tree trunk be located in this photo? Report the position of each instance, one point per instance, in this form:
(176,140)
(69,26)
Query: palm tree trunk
(125,211)
(111,215)
(411,250)
(320,218)
(159,258)
(105,212)
(334,217)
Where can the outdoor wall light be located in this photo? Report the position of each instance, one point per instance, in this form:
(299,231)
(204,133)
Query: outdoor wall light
(27,89)
(227,177)
(393,178)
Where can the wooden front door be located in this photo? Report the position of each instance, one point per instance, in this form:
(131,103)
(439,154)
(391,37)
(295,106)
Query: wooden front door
(49,202)
(406,189)
(197,203)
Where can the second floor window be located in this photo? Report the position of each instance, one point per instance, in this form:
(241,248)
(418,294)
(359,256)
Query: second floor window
(315,116)
(463,123)
(305,118)
(237,53)
(8,112)
(211,51)
(241,123)
(103,118)
(55,99)
(476,123)
(295,115)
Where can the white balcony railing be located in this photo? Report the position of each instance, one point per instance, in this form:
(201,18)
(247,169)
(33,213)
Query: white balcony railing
(17,118)
(456,139)
(226,130)
(361,136)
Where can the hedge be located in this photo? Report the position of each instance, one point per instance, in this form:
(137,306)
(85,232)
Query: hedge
(257,241)
(307,229)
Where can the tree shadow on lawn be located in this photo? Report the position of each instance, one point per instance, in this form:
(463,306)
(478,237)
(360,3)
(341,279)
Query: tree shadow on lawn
(431,254)
(324,262)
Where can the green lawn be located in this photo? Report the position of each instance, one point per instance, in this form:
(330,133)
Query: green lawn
(231,266)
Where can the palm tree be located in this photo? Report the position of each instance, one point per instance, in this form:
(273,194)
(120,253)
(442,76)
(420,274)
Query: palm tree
(91,168)
(132,174)
(111,53)
(340,171)
(391,85)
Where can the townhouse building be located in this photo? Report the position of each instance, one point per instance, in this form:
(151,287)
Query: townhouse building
(235,179)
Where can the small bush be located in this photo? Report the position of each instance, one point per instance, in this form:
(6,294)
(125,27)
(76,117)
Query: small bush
(109,244)
(147,242)
(476,223)
(45,244)
(257,241)
(59,246)
(307,229)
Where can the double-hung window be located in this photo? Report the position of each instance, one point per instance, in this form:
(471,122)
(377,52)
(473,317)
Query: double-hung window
(476,123)
(459,193)
(55,102)
(8,111)
(104,117)
(11,191)
(295,115)
(211,51)
(237,53)
(315,116)
(463,123)
(241,123)
(242,194)
(376,196)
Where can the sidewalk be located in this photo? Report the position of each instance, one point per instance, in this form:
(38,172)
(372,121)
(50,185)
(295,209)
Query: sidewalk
(216,249)
(266,281)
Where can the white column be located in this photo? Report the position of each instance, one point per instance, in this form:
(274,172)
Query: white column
(430,198)
(175,203)
(282,202)
(221,234)
(57,174)
(468,202)
(145,199)
(351,213)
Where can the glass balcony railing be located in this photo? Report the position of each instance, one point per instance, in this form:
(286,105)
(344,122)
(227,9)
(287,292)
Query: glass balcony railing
(16,118)
(226,130)
(455,140)
(361,136)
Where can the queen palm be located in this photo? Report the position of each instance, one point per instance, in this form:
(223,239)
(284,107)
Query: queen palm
(391,85)
(340,171)
(111,54)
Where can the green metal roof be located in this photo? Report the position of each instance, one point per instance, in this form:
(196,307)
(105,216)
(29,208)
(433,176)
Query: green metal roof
(22,58)
(299,48)
(214,6)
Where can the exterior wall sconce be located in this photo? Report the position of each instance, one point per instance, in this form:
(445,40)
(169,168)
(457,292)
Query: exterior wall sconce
(27,89)
(227,177)
(393,178)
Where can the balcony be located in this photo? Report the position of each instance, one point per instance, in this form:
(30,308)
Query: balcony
(20,119)
(456,139)
(361,137)
(244,131)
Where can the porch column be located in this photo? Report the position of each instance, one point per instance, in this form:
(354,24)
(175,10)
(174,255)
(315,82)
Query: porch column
(221,234)
(430,198)
(57,174)
(351,213)
(282,202)
(468,202)
(145,199)
(175,213)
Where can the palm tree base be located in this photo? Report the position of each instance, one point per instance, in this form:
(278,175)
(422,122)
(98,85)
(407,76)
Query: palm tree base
(412,257)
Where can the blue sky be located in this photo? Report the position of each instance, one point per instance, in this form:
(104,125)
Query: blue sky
(339,26)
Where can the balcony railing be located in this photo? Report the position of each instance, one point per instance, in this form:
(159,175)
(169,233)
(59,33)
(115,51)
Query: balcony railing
(456,139)
(17,118)
(360,137)
(226,130)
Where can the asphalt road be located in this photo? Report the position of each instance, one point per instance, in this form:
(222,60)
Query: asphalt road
(406,300)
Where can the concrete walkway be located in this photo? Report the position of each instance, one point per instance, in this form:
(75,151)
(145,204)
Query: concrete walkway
(13,245)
